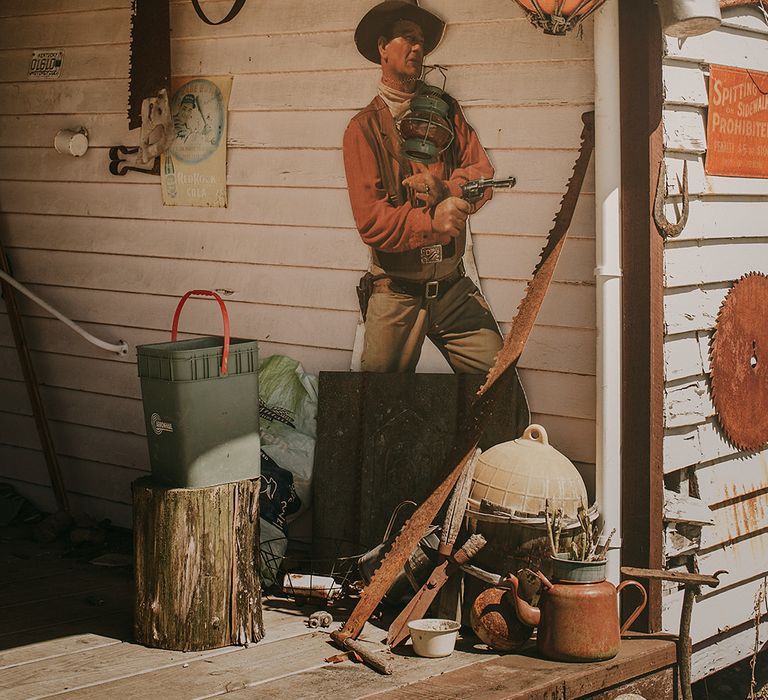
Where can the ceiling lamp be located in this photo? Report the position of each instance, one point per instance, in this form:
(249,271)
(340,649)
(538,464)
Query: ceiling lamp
(558,16)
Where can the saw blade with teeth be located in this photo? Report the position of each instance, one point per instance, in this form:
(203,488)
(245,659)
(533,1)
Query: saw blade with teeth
(738,358)
(537,287)
(150,58)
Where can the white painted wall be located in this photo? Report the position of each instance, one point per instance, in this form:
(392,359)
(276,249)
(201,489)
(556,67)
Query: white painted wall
(108,254)
(726,237)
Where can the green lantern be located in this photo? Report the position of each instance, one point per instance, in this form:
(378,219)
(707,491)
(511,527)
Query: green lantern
(425,128)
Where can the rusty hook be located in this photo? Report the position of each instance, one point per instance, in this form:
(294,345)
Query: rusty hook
(667,229)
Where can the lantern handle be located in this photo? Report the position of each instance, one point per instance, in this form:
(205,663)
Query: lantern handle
(426,70)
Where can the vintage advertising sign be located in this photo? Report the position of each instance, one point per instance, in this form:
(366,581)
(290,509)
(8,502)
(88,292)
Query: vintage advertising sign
(737,123)
(45,65)
(194,170)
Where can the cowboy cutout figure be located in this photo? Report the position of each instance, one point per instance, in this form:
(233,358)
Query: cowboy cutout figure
(410,214)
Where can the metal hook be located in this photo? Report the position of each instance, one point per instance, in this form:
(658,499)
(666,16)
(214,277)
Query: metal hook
(667,229)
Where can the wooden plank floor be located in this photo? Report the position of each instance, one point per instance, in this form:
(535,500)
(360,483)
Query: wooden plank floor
(65,630)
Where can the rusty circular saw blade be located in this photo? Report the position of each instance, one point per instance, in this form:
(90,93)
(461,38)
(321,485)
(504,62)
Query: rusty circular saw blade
(739,363)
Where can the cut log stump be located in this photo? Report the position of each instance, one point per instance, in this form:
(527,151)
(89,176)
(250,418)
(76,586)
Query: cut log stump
(196,554)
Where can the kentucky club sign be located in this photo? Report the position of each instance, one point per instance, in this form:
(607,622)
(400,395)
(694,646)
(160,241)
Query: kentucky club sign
(737,123)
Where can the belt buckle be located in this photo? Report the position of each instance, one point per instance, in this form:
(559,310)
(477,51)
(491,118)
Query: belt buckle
(431,289)
(431,254)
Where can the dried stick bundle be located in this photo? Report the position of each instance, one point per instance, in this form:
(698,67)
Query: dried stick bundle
(587,545)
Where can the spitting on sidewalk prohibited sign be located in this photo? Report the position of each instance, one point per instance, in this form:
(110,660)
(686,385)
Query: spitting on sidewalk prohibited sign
(45,65)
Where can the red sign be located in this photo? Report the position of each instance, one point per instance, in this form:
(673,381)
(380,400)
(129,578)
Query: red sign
(737,123)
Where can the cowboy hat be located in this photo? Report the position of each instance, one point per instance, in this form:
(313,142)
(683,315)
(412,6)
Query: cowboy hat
(377,18)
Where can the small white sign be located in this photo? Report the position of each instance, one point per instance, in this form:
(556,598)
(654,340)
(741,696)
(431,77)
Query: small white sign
(45,65)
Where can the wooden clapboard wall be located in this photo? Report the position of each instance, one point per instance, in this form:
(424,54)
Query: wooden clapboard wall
(107,253)
(726,237)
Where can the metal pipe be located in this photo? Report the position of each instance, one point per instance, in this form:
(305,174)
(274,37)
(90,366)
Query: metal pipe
(120,349)
(33,391)
(608,275)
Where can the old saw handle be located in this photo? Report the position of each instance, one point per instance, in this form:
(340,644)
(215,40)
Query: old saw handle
(471,547)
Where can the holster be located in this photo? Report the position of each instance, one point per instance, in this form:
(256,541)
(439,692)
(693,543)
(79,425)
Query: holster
(364,291)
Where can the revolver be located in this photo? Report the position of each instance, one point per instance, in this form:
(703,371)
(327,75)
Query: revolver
(472,190)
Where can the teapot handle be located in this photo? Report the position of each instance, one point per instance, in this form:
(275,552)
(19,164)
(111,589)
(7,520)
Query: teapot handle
(639,608)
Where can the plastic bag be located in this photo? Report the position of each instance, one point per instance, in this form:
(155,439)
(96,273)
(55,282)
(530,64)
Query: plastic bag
(288,426)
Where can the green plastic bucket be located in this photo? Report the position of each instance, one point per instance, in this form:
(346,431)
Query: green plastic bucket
(201,406)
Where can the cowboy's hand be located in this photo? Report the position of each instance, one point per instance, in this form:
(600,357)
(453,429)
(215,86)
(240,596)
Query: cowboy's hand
(450,218)
(425,186)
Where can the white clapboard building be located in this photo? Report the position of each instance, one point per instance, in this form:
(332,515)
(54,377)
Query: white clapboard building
(617,365)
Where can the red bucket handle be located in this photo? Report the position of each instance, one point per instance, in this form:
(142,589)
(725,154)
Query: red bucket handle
(225,315)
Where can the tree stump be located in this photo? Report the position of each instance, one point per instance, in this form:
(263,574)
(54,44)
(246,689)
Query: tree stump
(196,553)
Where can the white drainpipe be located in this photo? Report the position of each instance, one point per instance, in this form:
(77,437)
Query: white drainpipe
(608,274)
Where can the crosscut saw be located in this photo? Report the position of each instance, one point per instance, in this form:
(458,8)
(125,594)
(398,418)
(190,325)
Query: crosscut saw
(150,59)
(148,88)
(487,397)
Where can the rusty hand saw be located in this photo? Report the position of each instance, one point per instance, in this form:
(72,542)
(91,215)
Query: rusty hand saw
(487,396)
(417,608)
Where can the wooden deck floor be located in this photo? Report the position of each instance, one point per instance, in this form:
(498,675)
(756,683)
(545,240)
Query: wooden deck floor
(65,629)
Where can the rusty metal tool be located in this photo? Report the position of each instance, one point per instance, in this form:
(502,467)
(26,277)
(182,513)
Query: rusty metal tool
(529,307)
(738,358)
(487,397)
(148,88)
(691,582)
(417,608)
(150,68)
(667,228)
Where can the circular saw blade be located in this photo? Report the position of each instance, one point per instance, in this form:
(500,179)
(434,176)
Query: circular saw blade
(739,363)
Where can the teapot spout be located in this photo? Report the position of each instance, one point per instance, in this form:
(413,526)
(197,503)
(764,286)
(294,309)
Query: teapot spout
(526,613)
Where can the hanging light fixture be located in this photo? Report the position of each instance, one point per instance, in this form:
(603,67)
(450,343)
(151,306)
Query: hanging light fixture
(558,16)
(425,128)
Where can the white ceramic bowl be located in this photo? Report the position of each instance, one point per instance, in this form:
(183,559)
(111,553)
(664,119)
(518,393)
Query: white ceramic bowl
(433,638)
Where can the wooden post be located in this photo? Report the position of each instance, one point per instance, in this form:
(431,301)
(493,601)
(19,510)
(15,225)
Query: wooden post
(196,561)
(642,409)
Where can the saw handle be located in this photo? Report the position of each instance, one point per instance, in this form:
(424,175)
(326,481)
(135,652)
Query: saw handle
(374,660)
(471,547)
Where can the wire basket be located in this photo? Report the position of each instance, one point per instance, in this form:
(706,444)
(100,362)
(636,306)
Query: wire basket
(289,568)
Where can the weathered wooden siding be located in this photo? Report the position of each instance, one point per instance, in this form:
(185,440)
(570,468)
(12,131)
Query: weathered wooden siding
(725,237)
(107,253)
